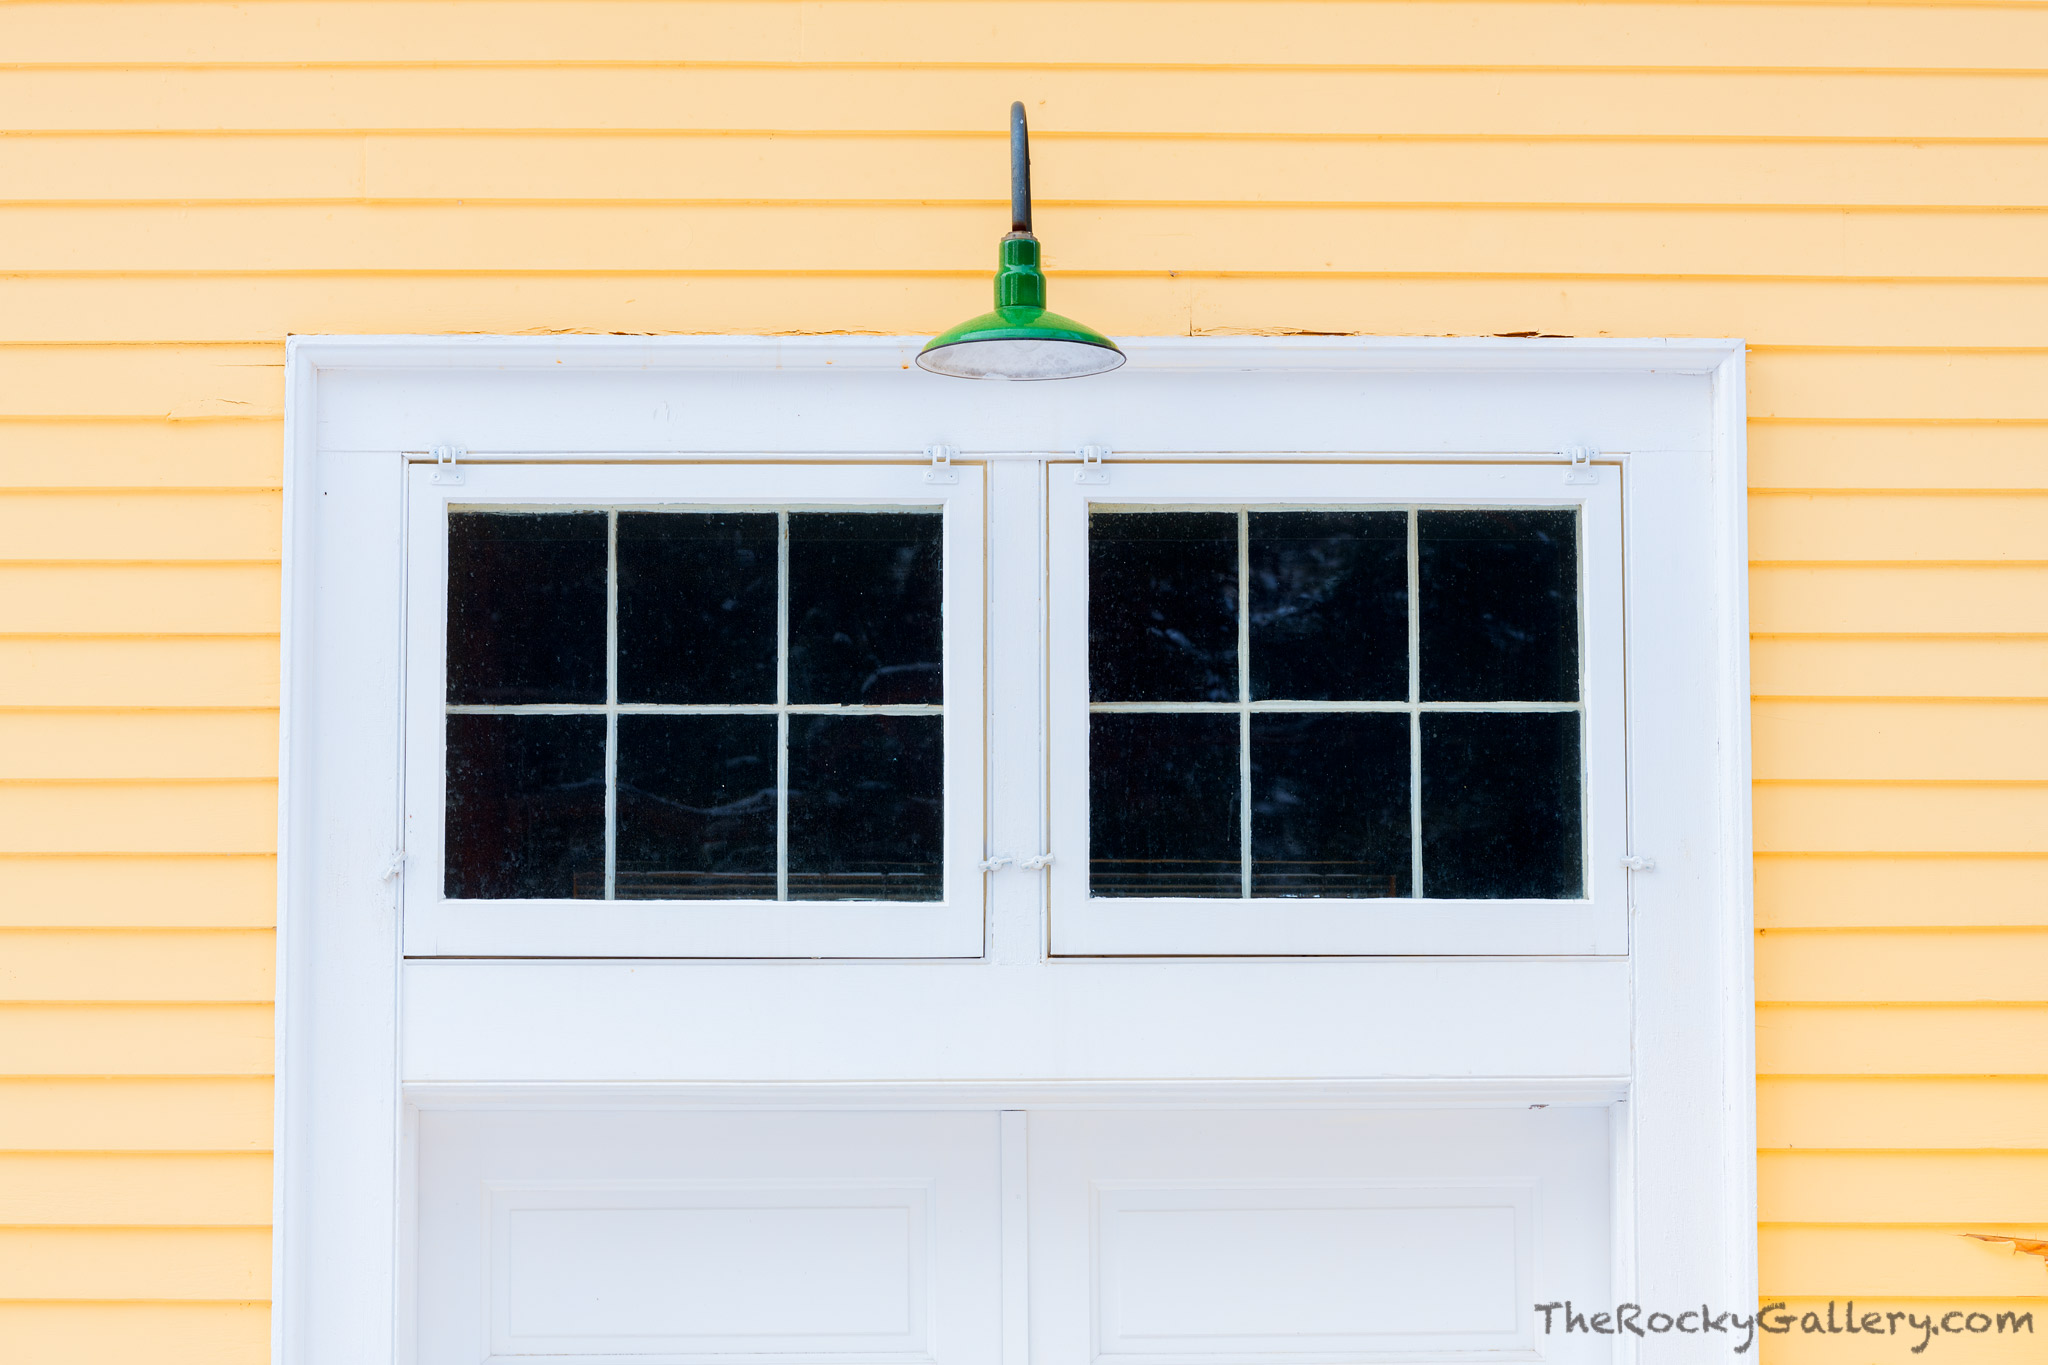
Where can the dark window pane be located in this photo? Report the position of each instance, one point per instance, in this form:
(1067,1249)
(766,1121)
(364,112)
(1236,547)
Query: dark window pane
(526,607)
(1162,806)
(1162,606)
(1500,605)
(696,808)
(1500,805)
(866,820)
(864,596)
(1330,804)
(697,607)
(525,808)
(1329,609)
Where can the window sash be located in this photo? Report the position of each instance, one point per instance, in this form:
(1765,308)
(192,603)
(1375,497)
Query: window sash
(1595,924)
(437,926)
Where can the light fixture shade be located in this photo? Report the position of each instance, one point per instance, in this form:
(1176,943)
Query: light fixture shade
(1020,343)
(1020,339)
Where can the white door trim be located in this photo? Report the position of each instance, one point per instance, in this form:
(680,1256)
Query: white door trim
(358,407)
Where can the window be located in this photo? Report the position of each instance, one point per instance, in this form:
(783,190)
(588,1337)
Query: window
(703,722)
(1375,709)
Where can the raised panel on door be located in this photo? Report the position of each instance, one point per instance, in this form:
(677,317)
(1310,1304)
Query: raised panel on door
(1196,1237)
(854,1238)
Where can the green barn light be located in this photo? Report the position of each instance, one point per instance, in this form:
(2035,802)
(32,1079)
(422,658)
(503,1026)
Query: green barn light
(1020,339)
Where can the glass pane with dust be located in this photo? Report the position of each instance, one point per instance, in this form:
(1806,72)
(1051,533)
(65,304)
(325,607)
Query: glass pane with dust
(1163,805)
(525,812)
(526,607)
(696,807)
(1162,606)
(1501,805)
(1330,810)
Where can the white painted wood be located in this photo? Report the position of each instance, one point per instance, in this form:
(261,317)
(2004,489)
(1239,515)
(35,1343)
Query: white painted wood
(1070,1019)
(435,926)
(1016,1237)
(1605,1093)
(1163,1237)
(863,396)
(791,1268)
(1598,924)
(1016,721)
(1667,1027)
(664,1237)
(338,1118)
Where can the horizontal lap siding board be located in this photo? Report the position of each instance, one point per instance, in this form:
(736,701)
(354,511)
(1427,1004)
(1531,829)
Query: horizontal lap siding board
(1858,190)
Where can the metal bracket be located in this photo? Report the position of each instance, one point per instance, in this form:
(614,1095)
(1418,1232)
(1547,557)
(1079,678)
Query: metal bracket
(1636,863)
(1581,468)
(1092,470)
(997,862)
(394,867)
(942,470)
(445,470)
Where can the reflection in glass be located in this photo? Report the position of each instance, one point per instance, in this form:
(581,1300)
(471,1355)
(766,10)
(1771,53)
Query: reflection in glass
(864,601)
(866,810)
(526,607)
(1162,606)
(1329,606)
(1163,805)
(525,813)
(1330,804)
(697,607)
(1500,605)
(1500,805)
(696,807)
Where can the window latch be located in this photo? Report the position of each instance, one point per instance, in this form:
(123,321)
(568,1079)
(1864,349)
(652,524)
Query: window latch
(942,470)
(999,861)
(394,867)
(1637,863)
(445,470)
(1581,468)
(1092,469)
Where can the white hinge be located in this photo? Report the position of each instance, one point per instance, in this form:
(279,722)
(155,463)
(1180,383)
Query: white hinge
(1637,863)
(445,470)
(942,470)
(1092,470)
(997,862)
(1581,468)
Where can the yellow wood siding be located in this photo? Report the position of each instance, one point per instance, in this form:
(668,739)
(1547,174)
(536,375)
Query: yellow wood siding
(1857,189)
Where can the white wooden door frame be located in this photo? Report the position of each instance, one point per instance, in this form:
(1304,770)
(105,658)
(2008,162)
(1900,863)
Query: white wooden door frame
(365,1039)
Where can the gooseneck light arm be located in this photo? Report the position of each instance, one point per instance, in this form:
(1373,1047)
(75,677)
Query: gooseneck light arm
(1020,170)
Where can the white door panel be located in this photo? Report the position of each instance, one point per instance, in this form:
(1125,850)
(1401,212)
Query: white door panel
(857,1238)
(1312,1237)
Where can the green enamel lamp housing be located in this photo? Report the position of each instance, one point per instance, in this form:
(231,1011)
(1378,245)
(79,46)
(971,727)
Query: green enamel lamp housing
(1020,339)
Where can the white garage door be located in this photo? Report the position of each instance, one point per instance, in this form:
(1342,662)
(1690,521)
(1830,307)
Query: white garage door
(1145,1237)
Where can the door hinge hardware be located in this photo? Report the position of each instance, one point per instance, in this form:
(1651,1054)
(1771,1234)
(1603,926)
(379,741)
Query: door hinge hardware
(1635,862)
(1092,469)
(445,470)
(1581,468)
(942,470)
(997,862)
(394,867)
